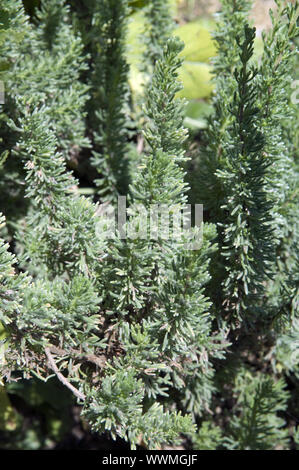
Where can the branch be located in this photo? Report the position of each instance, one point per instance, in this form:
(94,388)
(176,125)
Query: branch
(61,377)
(97,360)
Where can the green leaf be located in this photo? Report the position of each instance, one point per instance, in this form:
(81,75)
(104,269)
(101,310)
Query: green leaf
(199,45)
(8,416)
(196,79)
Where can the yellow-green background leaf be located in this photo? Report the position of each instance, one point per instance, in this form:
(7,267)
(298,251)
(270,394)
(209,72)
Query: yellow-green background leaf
(196,78)
(8,416)
(199,45)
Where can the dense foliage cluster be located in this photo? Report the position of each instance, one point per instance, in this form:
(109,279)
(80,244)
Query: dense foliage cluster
(159,340)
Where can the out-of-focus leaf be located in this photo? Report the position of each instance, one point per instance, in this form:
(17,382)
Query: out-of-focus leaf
(136,4)
(135,50)
(258,47)
(197,112)
(4,21)
(3,333)
(199,48)
(3,346)
(36,393)
(58,424)
(196,79)
(4,66)
(199,45)
(8,416)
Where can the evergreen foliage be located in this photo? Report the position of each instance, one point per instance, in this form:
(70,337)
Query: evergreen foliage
(159,26)
(281,145)
(257,426)
(245,195)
